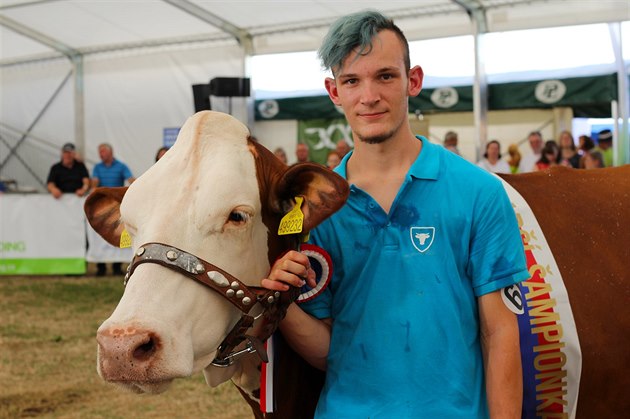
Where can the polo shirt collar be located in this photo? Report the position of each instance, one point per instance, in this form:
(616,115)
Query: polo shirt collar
(426,166)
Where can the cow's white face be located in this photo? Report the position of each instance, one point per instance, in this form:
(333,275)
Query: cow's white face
(204,197)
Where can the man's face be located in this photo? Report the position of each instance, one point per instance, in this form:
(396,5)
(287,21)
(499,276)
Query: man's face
(536,143)
(105,153)
(67,157)
(373,89)
(301,152)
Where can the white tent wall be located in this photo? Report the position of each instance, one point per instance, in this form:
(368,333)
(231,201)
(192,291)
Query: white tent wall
(129,100)
(26,93)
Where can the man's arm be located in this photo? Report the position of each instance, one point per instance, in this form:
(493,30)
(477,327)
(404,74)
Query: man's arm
(502,357)
(307,335)
(85,188)
(54,190)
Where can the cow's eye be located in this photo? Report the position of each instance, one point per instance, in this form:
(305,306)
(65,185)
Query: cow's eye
(238,217)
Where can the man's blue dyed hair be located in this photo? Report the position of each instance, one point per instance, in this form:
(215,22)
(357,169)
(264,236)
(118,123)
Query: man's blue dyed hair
(356,31)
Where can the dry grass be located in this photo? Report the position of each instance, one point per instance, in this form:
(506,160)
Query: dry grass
(48,358)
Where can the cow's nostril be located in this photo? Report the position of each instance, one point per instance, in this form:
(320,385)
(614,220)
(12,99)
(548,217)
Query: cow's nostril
(145,350)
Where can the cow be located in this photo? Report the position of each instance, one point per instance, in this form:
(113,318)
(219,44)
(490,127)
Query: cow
(204,221)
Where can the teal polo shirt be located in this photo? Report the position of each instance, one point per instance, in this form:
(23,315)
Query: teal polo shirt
(403,295)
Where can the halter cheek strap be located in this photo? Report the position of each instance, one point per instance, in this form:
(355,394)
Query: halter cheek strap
(274,303)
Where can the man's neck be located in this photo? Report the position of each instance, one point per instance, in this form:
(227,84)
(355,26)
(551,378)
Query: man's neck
(380,169)
(394,155)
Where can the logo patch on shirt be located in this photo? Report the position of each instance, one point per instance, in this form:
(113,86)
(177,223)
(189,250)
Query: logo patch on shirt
(422,238)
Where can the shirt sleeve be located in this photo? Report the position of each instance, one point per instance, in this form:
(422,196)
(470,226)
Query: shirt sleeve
(126,172)
(51,175)
(497,258)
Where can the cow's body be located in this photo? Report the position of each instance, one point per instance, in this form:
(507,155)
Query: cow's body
(585,217)
(219,196)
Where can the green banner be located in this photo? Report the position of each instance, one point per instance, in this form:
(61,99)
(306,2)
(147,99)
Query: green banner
(322,135)
(588,96)
(42,266)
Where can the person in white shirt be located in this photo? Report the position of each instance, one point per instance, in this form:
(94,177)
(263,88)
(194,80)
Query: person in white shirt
(529,160)
(492,161)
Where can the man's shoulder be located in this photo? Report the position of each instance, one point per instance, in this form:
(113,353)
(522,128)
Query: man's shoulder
(80,164)
(56,166)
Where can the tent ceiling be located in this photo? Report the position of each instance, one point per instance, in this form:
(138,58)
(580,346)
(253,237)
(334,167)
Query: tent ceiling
(47,29)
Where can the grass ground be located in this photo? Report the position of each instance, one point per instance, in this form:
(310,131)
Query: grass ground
(48,358)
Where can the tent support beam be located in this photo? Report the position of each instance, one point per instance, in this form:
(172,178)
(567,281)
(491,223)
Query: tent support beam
(79,104)
(477,14)
(12,150)
(76,58)
(241,35)
(38,37)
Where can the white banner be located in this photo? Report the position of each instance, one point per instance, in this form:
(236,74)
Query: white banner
(41,235)
(101,251)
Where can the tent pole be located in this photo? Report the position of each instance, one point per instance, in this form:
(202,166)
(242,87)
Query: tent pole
(477,14)
(79,105)
(620,112)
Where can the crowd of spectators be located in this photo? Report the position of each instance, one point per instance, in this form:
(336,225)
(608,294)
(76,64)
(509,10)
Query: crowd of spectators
(587,153)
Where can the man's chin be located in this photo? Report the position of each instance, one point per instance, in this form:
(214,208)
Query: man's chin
(156,387)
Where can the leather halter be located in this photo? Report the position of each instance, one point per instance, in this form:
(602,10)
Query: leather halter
(274,303)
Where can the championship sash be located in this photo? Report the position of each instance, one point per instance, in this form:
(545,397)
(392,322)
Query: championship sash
(550,349)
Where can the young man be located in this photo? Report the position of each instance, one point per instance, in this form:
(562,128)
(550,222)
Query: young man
(412,323)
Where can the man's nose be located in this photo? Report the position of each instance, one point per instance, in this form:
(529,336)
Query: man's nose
(370,94)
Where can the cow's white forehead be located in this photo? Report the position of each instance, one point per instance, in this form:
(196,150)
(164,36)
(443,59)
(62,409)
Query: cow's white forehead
(209,127)
(186,197)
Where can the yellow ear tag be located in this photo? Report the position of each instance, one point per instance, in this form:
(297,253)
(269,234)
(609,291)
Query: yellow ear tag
(125,239)
(293,221)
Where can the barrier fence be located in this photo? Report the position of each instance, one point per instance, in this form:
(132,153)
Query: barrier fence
(41,235)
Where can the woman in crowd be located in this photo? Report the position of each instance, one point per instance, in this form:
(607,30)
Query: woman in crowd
(492,161)
(549,156)
(568,155)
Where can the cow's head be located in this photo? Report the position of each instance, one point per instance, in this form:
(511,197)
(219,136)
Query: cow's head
(220,196)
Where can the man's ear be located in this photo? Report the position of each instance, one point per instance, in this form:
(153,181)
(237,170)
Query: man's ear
(416,75)
(102,209)
(324,191)
(331,88)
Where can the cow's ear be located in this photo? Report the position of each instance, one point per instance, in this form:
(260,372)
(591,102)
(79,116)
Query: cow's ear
(102,209)
(324,191)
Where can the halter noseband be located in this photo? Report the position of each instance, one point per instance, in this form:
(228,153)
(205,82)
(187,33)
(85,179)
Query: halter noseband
(273,303)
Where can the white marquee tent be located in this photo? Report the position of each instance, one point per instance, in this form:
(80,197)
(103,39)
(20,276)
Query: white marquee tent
(92,71)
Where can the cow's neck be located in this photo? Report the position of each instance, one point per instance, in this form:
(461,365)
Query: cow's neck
(247,377)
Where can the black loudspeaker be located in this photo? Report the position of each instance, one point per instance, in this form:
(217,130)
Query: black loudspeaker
(229,86)
(201,94)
